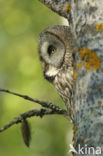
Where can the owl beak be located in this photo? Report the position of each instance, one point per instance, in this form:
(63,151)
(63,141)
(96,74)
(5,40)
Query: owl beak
(44,64)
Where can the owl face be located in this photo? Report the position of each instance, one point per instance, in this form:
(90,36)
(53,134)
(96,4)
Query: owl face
(52,50)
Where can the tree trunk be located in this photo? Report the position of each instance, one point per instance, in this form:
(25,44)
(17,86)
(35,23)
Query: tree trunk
(86,22)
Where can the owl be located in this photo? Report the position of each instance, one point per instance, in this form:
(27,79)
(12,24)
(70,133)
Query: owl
(55,51)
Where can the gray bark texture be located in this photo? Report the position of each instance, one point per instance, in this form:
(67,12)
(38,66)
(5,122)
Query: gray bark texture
(85,19)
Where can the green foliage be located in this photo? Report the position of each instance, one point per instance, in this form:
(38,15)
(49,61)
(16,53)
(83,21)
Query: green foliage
(20,71)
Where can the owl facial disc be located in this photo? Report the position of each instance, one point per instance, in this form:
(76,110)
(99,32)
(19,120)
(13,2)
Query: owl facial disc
(52,51)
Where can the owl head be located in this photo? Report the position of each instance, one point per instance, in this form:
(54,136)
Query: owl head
(55,50)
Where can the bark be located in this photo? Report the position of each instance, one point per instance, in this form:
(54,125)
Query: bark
(86,22)
(58,6)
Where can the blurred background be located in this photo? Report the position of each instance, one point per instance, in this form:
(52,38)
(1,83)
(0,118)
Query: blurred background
(20,71)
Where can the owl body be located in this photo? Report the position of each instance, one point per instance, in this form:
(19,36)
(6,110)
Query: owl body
(63,83)
(55,50)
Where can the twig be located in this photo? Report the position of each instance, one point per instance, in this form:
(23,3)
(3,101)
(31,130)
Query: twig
(52,110)
(42,103)
(58,6)
(32,113)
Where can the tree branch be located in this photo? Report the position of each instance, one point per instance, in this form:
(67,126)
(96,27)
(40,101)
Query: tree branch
(53,109)
(61,7)
(42,103)
(32,113)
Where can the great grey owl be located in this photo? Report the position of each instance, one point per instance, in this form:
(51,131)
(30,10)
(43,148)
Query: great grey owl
(55,50)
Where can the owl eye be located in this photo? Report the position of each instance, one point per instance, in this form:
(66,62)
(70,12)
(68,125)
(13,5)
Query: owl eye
(51,50)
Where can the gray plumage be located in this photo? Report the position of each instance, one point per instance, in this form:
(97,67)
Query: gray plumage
(55,50)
